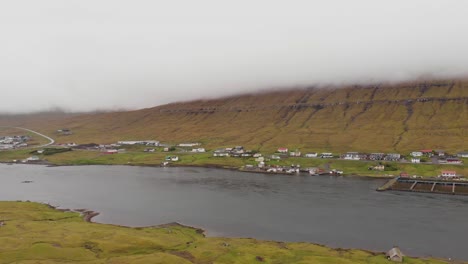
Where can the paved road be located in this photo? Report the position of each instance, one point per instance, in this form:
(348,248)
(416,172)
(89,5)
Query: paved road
(51,140)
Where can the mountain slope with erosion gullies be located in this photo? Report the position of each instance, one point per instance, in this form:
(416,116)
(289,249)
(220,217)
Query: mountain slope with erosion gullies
(384,117)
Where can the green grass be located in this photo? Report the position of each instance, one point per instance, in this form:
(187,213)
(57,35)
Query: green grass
(36,233)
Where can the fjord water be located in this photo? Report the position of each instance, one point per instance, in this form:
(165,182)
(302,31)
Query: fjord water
(335,211)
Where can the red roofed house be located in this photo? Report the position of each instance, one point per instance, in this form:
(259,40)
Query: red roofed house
(110,151)
(404,174)
(448,174)
(454,161)
(283,150)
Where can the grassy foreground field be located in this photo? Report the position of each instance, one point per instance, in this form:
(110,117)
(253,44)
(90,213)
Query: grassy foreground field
(36,233)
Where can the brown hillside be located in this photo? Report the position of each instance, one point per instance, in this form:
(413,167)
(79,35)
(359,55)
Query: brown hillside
(400,117)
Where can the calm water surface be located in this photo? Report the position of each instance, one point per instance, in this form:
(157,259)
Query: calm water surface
(336,211)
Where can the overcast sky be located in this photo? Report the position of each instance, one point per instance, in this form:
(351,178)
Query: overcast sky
(104,54)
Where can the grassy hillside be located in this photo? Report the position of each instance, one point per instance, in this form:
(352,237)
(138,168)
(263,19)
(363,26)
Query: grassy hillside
(384,117)
(36,233)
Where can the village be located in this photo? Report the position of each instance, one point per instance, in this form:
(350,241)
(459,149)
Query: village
(255,161)
(13,142)
(266,162)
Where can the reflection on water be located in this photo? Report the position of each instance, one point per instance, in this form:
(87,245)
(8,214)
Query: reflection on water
(336,211)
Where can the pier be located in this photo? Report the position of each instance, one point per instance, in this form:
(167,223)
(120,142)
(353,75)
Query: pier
(430,185)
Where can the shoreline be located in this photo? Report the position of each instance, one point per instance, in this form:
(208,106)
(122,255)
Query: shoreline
(48,164)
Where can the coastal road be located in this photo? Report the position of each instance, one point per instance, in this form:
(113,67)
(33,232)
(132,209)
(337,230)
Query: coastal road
(51,140)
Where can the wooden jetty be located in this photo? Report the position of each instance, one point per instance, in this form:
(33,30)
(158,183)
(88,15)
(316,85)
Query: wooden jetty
(430,185)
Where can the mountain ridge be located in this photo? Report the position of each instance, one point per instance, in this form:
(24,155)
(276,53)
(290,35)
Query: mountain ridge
(373,118)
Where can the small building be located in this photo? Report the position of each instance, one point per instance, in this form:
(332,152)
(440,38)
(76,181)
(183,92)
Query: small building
(110,151)
(275,157)
(376,156)
(326,155)
(463,154)
(415,160)
(453,161)
(189,144)
(313,170)
(448,174)
(295,153)
(416,154)
(261,164)
(395,255)
(440,152)
(404,174)
(33,158)
(427,152)
(64,131)
(172,158)
(311,155)
(139,142)
(351,156)
(221,153)
(199,150)
(392,156)
(379,167)
(283,150)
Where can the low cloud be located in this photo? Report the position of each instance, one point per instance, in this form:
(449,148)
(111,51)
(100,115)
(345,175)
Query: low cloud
(86,55)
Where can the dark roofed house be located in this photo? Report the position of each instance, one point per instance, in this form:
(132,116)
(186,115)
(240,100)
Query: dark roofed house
(427,152)
(395,255)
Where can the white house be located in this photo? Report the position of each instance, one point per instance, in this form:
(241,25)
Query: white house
(198,150)
(139,142)
(189,144)
(326,155)
(220,153)
(352,156)
(260,159)
(463,154)
(283,150)
(448,174)
(32,158)
(415,160)
(416,154)
(311,155)
(295,154)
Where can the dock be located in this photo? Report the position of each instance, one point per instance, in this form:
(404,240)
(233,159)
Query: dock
(431,185)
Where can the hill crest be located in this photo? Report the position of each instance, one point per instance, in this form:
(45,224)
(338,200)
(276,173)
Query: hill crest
(371,118)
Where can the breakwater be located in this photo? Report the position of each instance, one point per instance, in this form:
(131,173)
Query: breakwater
(441,186)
